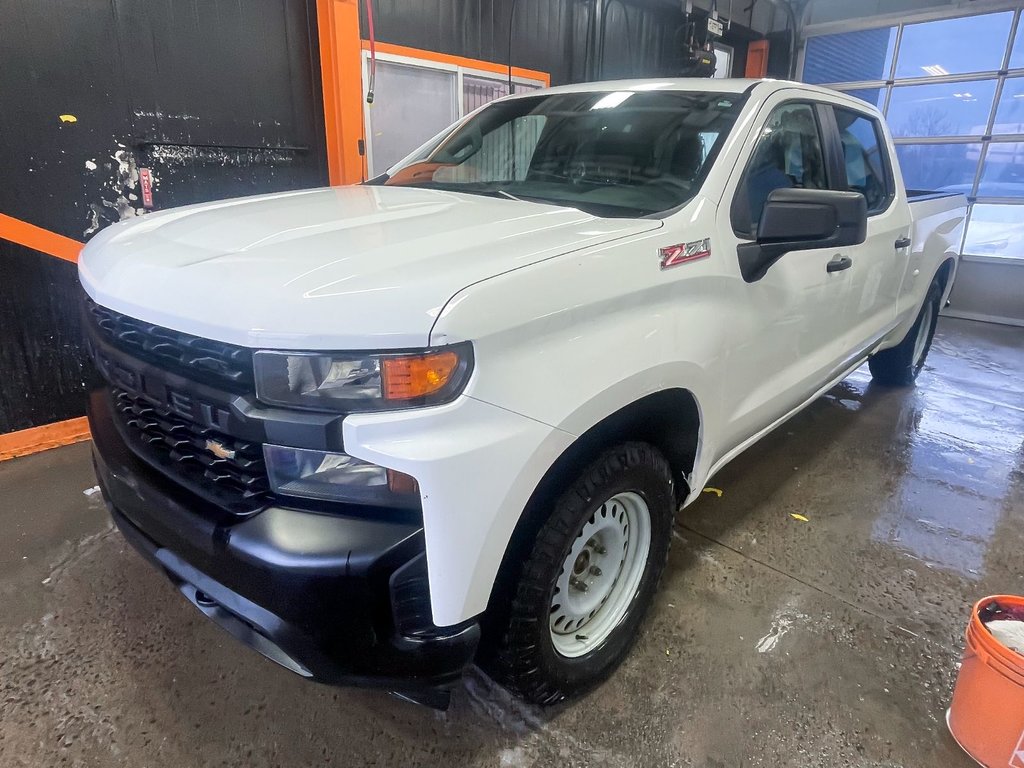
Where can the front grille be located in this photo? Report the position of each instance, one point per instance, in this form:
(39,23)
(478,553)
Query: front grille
(205,360)
(236,480)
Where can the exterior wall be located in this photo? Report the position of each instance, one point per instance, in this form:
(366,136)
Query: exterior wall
(641,38)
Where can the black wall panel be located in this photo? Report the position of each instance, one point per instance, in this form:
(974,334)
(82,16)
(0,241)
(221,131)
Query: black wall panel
(561,37)
(218,98)
(39,327)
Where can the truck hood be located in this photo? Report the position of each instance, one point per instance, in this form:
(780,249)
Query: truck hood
(362,267)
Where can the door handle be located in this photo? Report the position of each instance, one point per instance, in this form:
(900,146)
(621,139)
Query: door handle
(839,263)
(903,242)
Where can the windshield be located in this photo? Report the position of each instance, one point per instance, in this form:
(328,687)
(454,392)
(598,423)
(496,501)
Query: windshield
(618,153)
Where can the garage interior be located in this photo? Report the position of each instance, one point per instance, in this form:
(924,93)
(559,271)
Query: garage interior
(826,639)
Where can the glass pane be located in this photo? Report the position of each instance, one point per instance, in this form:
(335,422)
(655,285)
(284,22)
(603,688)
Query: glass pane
(939,167)
(787,155)
(1003,173)
(996,230)
(505,154)
(850,57)
(1017,54)
(874,96)
(411,105)
(477,91)
(1010,114)
(862,153)
(611,153)
(954,46)
(943,109)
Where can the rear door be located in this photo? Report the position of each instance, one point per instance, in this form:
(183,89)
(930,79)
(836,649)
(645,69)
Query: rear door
(791,326)
(880,261)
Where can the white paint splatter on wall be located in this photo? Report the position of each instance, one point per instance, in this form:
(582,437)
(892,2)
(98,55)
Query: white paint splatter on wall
(117,206)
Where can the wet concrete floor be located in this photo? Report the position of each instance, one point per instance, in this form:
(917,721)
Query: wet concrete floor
(773,642)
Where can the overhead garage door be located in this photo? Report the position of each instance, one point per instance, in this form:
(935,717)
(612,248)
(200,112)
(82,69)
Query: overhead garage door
(953,93)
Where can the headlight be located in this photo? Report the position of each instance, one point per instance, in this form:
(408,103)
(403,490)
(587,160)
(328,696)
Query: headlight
(337,477)
(362,382)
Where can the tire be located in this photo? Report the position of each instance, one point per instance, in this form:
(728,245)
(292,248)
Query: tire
(900,365)
(545,664)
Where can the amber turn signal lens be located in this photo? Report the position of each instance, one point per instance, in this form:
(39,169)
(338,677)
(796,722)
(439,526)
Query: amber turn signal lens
(401,483)
(406,378)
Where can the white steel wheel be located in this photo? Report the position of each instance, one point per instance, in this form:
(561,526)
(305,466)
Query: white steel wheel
(600,576)
(923,333)
(608,530)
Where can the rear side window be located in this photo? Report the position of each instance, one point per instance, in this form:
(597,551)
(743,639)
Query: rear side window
(788,155)
(865,158)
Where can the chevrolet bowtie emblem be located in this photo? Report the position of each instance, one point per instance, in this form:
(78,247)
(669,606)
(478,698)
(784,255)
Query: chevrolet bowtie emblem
(219,450)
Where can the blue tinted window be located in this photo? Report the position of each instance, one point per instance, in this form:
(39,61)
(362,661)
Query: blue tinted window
(943,109)
(952,46)
(1010,114)
(1017,54)
(850,57)
(1003,172)
(939,167)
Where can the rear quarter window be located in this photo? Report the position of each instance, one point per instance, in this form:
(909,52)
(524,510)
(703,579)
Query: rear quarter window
(866,158)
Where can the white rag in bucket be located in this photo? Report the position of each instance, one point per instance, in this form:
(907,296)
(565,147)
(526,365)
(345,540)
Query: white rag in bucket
(1008,632)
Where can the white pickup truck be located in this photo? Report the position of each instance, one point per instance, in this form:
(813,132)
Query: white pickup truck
(381,432)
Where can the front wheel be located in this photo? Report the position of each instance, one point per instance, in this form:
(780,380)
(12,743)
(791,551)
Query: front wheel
(589,578)
(900,365)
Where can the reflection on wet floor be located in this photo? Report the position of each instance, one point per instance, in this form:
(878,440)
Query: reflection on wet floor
(960,443)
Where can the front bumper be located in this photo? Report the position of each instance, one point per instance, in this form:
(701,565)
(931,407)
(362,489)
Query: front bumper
(339,599)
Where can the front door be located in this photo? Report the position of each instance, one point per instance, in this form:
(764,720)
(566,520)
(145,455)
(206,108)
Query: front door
(792,326)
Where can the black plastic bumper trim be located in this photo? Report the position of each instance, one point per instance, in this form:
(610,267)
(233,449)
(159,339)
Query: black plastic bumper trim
(311,591)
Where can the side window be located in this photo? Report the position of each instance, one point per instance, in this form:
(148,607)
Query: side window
(865,157)
(788,155)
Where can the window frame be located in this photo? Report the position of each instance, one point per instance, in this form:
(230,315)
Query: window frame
(888,176)
(833,166)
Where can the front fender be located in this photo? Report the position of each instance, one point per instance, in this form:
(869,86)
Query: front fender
(477,466)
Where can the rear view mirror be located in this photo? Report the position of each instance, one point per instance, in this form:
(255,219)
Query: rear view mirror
(803,220)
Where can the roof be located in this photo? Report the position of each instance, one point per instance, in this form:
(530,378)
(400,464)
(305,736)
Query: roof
(707,85)
(659,84)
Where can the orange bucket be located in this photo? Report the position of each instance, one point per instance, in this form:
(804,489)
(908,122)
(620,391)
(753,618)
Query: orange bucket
(986,716)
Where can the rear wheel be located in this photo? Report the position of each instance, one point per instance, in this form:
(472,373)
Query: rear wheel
(589,578)
(900,365)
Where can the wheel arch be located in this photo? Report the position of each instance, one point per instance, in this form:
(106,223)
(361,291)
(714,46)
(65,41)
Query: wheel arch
(670,420)
(945,275)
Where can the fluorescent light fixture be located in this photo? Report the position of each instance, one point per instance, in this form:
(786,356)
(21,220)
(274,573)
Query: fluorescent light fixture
(612,100)
(935,70)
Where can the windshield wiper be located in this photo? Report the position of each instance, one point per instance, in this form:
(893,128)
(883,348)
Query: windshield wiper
(509,195)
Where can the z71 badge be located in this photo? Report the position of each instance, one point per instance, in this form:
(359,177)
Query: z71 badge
(674,255)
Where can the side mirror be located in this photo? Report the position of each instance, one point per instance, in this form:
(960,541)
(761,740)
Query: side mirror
(803,220)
